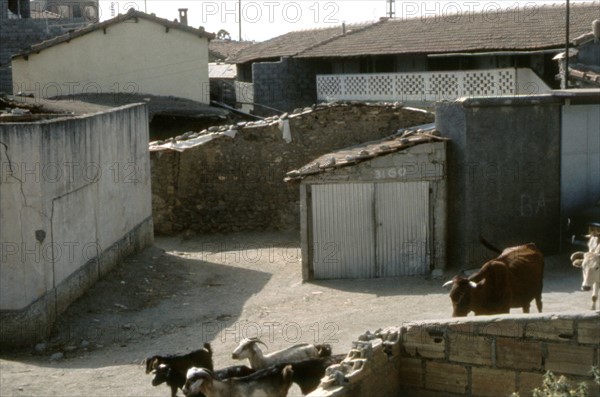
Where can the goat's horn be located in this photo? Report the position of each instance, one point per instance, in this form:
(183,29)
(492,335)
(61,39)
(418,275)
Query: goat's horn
(261,342)
(577,255)
(447,284)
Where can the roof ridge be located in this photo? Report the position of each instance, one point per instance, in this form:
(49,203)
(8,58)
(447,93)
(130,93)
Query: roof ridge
(131,13)
(330,39)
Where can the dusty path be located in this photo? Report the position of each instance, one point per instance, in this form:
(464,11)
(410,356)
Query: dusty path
(221,289)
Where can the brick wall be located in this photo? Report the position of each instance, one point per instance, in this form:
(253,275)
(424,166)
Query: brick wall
(230,185)
(478,357)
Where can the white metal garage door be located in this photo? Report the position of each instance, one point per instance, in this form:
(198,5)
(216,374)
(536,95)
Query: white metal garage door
(367,230)
(580,157)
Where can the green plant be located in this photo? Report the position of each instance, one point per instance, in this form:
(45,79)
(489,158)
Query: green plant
(559,387)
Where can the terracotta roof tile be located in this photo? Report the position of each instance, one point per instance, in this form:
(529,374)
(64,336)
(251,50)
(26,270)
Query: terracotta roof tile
(402,140)
(517,29)
(292,43)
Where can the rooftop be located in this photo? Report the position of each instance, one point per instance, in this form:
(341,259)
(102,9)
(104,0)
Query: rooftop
(131,14)
(401,140)
(536,28)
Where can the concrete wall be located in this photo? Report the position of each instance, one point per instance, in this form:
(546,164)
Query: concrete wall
(76,194)
(286,84)
(484,356)
(130,57)
(503,174)
(229,185)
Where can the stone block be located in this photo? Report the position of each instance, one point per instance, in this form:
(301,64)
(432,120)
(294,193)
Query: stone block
(489,382)
(471,350)
(528,381)
(418,341)
(411,372)
(505,328)
(448,378)
(518,354)
(559,329)
(588,331)
(569,359)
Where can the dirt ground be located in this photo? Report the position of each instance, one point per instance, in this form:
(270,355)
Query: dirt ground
(219,289)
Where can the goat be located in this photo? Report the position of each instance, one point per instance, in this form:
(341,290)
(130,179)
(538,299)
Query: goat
(308,373)
(165,374)
(270,382)
(248,348)
(173,368)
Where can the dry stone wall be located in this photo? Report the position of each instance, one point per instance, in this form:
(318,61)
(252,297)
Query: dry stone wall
(477,357)
(237,184)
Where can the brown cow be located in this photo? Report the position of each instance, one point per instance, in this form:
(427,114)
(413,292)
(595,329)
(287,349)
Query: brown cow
(513,279)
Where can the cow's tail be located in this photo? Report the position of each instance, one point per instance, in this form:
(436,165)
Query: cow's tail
(488,245)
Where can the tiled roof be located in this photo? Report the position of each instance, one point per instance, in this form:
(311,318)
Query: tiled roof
(292,43)
(403,139)
(518,29)
(131,14)
(223,49)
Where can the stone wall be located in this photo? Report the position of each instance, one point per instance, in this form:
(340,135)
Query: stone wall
(477,357)
(76,194)
(229,185)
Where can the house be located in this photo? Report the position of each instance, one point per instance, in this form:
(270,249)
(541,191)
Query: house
(584,60)
(24,23)
(266,70)
(131,53)
(223,75)
(506,52)
(377,209)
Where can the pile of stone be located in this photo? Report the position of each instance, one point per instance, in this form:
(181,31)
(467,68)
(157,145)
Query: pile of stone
(231,129)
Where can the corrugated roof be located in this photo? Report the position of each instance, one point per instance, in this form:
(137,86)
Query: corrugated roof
(131,14)
(292,43)
(536,28)
(403,139)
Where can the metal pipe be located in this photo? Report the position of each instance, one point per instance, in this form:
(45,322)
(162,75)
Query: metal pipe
(566,71)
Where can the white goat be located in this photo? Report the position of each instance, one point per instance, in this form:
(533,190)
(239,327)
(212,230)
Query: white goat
(248,348)
(271,382)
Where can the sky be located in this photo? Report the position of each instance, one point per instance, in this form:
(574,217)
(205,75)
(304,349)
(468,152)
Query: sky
(264,19)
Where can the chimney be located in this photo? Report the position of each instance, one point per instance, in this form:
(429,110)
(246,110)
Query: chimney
(343,27)
(183,16)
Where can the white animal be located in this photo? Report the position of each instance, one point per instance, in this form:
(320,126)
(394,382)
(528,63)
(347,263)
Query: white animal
(589,262)
(248,348)
(270,382)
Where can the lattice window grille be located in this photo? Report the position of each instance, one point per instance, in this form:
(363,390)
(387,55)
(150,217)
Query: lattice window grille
(329,86)
(410,85)
(480,84)
(506,83)
(381,85)
(356,85)
(444,86)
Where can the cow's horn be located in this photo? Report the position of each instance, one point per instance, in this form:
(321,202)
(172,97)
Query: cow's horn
(472,284)
(447,284)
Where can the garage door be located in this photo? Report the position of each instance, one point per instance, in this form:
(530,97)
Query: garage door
(366,230)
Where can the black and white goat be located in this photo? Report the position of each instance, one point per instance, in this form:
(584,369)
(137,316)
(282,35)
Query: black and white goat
(248,348)
(308,373)
(270,382)
(165,374)
(172,369)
